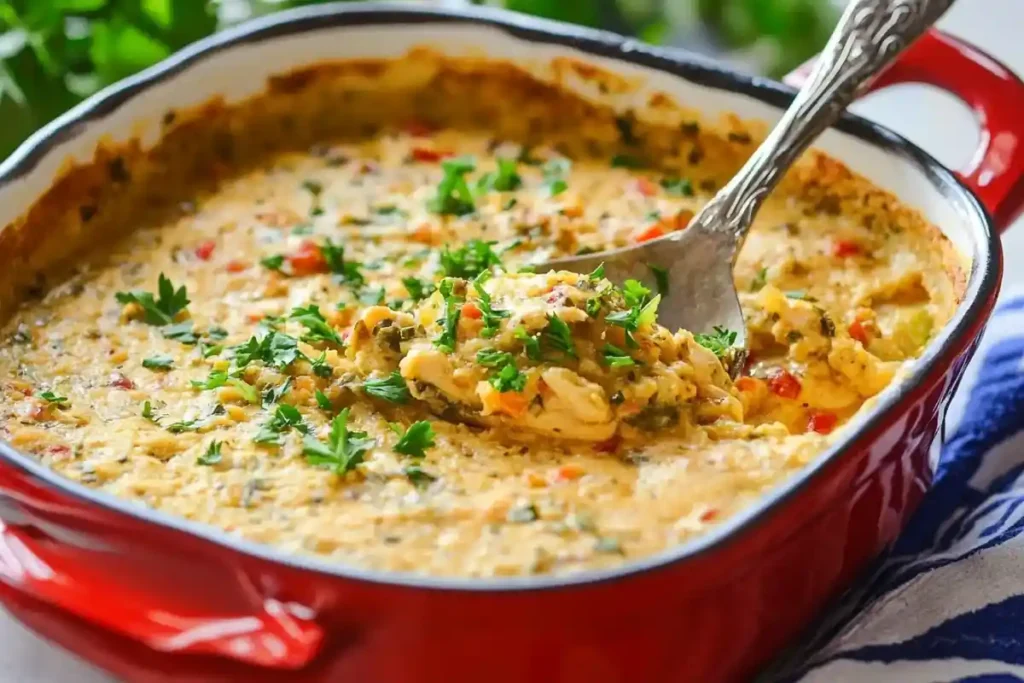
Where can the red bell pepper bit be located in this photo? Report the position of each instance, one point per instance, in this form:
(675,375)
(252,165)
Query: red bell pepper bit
(472,311)
(645,187)
(860,332)
(428,155)
(784,384)
(236,266)
(649,233)
(307,259)
(845,248)
(205,250)
(119,381)
(822,422)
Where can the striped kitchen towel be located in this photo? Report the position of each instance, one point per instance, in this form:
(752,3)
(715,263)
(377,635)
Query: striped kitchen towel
(947,603)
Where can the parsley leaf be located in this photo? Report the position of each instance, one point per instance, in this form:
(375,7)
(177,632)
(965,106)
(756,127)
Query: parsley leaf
(453,194)
(212,455)
(558,336)
(162,309)
(449,318)
(181,332)
(343,451)
(597,273)
(643,310)
(316,325)
(323,401)
(183,426)
(616,357)
(627,161)
(160,362)
(393,388)
(285,418)
(759,281)
(491,318)
(418,289)
(320,366)
(555,173)
(469,260)
(345,272)
(416,440)
(273,262)
(507,377)
(681,187)
(275,394)
(54,399)
(505,179)
(147,412)
(418,476)
(218,379)
(372,297)
(274,349)
(718,341)
(531,344)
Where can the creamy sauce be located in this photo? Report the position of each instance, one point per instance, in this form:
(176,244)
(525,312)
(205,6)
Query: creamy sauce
(836,304)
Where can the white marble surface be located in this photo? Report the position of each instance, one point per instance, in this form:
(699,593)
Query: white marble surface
(939,125)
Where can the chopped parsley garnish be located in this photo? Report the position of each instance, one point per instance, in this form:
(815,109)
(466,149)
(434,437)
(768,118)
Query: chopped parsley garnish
(54,399)
(343,451)
(323,401)
(274,349)
(469,260)
(212,455)
(505,179)
(209,350)
(285,418)
(531,343)
(416,440)
(800,295)
(522,514)
(392,388)
(450,317)
(160,362)
(597,273)
(162,309)
(507,377)
(320,366)
(492,358)
(218,333)
(759,281)
(317,329)
(558,336)
(492,318)
(181,332)
(314,187)
(418,289)
(660,278)
(183,426)
(555,173)
(627,161)
(273,395)
(453,194)
(218,379)
(273,262)
(418,476)
(346,272)
(681,187)
(643,310)
(616,358)
(147,412)
(593,306)
(372,297)
(718,342)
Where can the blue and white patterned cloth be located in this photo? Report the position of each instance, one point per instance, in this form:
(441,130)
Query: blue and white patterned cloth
(947,604)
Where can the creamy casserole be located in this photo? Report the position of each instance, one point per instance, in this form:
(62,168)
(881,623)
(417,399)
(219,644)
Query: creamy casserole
(310,319)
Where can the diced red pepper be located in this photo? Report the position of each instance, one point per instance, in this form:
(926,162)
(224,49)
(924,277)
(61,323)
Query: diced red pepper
(859,332)
(417,128)
(645,187)
(784,384)
(845,248)
(236,266)
(307,259)
(429,155)
(748,384)
(205,250)
(822,422)
(471,311)
(649,233)
(608,445)
(709,515)
(119,381)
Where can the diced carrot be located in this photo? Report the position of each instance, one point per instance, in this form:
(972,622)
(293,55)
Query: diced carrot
(254,317)
(784,384)
(418,128)
(645,187)
(822,421)
(512,403)
(205,250)
(424,234)
(709,515)
(651,232)
(40,412)
(472,311)
(859,331)
(569,472)
(844,248)
(236,266)
(307,259)
(429,155)
(748,384)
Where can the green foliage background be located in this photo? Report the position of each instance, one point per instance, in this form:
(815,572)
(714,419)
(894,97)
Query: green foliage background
(53,53)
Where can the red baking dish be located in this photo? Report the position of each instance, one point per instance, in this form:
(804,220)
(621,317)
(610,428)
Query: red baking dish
(154,598)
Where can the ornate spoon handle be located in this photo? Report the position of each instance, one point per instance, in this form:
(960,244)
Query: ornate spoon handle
(870,34)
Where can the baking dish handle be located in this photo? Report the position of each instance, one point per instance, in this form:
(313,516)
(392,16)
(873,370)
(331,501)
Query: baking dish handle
(281,635)
(992,90)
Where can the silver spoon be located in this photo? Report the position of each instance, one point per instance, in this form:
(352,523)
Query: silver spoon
(700,259)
